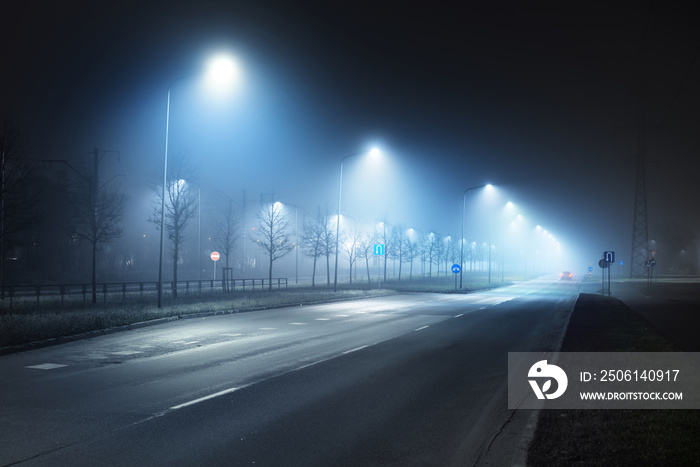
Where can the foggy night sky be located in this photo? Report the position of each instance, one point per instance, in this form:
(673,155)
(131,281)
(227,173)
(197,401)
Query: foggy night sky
(532,97)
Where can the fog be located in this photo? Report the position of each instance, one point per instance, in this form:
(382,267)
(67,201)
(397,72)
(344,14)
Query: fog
(541,103)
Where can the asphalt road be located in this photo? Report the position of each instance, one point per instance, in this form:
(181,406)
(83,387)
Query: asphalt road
(412,379)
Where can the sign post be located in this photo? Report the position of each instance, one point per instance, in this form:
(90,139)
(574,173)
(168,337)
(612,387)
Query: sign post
(215,257)
(608,258)
(603,265)
(379,251)
(456,269)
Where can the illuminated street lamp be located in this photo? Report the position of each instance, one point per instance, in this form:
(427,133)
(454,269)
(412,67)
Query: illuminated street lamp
(461,246)
(372,152)
(221,70)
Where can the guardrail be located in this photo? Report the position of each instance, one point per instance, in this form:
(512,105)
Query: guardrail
(106,289)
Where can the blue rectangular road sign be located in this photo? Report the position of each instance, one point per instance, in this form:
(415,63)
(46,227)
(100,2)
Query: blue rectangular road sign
(609,256)
(379,249)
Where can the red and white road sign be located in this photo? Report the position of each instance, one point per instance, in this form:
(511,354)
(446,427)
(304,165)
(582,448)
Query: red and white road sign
(215,256)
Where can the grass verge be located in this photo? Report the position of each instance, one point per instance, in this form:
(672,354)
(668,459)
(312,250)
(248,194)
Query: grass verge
(614,437)
(26,322)
(55,319)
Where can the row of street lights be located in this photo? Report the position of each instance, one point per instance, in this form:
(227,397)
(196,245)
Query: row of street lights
(221,70)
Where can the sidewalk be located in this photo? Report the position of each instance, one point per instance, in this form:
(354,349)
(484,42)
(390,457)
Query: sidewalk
(672,306)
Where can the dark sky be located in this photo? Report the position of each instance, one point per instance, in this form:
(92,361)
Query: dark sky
(538,98)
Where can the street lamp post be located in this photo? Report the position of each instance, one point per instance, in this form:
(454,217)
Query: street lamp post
(337,227)
(490,245)
(221,68)
(461,248)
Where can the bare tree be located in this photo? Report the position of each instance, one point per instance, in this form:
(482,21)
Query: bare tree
(312,240)
(429,246)
(327,229)
(382,236)
(451,252)
(226,230)
(350,244)
(273,235)
(365,251)
(412,252)
(97,213)
(440,247)
(180,207)
(399,240)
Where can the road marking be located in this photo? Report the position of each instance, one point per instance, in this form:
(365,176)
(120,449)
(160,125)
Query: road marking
(355,350)
(461,314)
(232,335)
(343,316)
(46,366)
(481,308)
(210,396)
(297,324)
(267,329)
(322,319)
(189,343)
(421,328)
(126,352)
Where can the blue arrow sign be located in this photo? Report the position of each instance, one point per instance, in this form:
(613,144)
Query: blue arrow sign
(609,256)
(378,250)
(456,268)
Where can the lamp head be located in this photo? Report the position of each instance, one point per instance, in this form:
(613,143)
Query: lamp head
(222,71)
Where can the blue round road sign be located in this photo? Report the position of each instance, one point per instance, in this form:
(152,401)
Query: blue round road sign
(456,268)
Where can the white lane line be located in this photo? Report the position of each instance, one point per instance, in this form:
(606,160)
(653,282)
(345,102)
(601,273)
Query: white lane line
(210,396)
(267,329)
(343,316)
(297,324)
(46,366)
(421,328)
(461,314)
(355,350)
(232,335)
(322,319)
(189,343)
(126,352)
(481,308)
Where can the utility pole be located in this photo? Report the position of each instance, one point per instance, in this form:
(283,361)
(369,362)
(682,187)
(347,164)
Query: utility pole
(640,231)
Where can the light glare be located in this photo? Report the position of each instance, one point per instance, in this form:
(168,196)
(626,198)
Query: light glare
(222,71)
